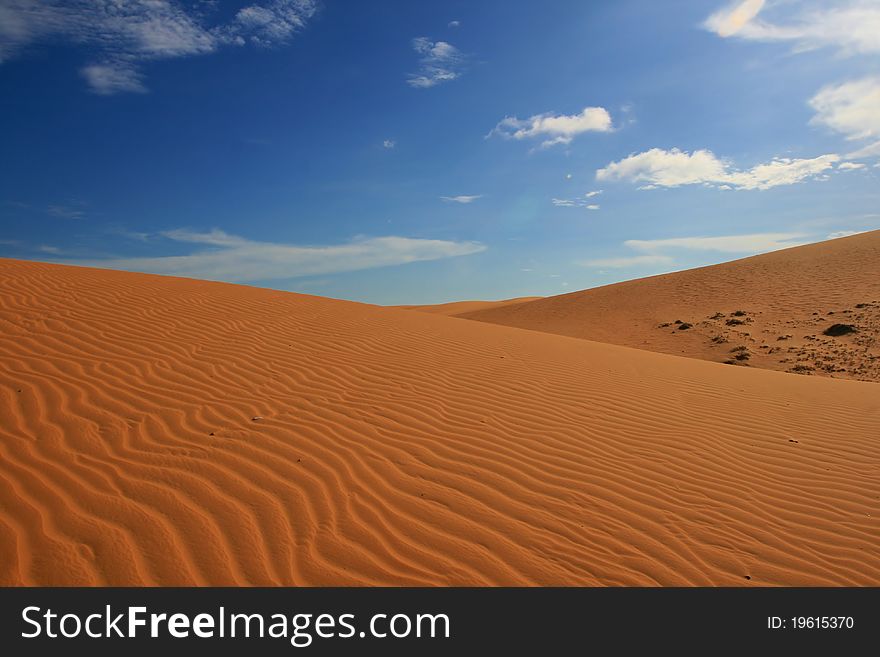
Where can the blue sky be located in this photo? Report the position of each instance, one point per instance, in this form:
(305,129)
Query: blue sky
(420,152)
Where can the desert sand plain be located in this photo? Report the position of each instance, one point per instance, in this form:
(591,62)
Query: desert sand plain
(166,431)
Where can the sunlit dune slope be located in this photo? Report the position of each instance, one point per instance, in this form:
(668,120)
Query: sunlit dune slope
(170,431)
(768,311)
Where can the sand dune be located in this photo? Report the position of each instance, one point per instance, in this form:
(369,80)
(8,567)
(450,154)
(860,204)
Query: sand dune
(768,311)
(458,307)
(170,431)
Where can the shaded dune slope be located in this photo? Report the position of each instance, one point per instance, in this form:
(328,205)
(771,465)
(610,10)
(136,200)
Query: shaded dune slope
(167,431)
(787,299)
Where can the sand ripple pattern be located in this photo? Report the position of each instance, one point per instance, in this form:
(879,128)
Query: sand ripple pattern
(401,448)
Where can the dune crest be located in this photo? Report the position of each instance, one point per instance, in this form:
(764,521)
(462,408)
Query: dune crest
(769,311)
(458,307)
(167,431)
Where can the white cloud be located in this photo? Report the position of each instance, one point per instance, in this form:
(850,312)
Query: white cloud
(230,258)
(848,166)
(852,27)
(461,199)
(844,233)
(672,168)
(113,77)
(558,129)
(389,143)
(273,23)
(45,248)
(734,18)
(127,34)
(652,253)
(454,24)
(751,243)
(595,192)
(440,62)
(575,202)
(853,110)
(871,150)
(628,261)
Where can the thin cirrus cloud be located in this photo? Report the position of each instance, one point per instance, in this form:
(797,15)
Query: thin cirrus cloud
(628,261)
(225,257)
(658,167)
(578,202)
(461,199)
(851,109)
(650,253)
(555,129)
(851,27)
(439,62)
(128,34)
(65,212)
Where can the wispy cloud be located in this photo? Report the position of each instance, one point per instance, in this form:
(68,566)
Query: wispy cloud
(226,257)
(113,78)
(673,168)
(65,212)
(659,252)
(127,34)
(461,199)
(389,143)
(555,128)
(628,261)
(454,24)
(750,243)
(844,233)
(578,202)
(439,62)
(853,110)
(851,27)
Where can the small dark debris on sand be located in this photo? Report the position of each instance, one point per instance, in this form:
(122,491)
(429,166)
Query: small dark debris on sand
(734,322)
(684,326)
(839,329)
(739,313)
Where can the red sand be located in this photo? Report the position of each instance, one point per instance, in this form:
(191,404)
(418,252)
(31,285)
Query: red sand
(167,431)
(788,299)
